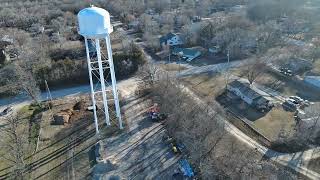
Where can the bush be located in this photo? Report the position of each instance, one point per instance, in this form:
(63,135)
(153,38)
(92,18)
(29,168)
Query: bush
(73,54)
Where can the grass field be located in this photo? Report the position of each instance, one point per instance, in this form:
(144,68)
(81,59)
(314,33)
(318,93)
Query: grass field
(276,123)
(172,67)
(27,128)
(316,67)
(206,85)
(314,165)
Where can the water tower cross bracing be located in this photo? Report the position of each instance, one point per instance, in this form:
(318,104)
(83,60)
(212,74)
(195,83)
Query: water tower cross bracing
(95,27)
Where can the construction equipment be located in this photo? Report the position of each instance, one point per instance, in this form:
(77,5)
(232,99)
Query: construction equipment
(186,168)
(155,115)
(177,148)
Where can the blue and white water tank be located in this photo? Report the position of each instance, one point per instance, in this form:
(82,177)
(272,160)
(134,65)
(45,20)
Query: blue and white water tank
(94,22)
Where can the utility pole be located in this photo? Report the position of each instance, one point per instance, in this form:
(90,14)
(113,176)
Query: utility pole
(51,115)
(169,54)
(180,55)
(228,67)
(48,91)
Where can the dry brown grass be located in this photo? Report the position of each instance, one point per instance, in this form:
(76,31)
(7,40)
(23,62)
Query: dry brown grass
(206,85)
(316,67)
(172,67)
(275,123)
(314,165)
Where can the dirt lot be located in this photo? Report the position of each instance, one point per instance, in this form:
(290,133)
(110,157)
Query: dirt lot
(67,151)
(139,152)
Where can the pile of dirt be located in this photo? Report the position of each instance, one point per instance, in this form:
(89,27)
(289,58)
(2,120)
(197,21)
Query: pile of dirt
(79,106)
(63,117)
(71,112)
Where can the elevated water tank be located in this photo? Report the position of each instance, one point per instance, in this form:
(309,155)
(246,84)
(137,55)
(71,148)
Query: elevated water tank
(94,22)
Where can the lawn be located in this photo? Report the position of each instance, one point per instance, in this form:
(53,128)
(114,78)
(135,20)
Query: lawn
(314,165)
(172,67)
(277,123)
(28,127)
(316,67)
(206,85)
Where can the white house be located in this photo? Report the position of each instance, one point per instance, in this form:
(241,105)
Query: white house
(170,39)
(308,119)
(247,94)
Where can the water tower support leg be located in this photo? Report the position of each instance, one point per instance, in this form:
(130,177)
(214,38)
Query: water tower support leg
(102,81)
(114,81)
(92,89)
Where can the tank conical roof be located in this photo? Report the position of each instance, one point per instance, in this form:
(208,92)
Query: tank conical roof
(94,22)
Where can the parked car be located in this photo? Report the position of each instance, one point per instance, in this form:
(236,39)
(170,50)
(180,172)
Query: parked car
(290,106)
(6,111)
(293,101)
(286,71)
(297,99)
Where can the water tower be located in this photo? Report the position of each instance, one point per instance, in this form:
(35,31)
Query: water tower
(95,27)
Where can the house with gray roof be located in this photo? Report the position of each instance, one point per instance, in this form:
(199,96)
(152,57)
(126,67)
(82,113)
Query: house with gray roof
(247,94)
(313,81)
(171,39)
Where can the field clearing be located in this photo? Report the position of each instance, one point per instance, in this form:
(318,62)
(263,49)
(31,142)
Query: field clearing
(277,122)
(173,67)
(206,85)
(314,165)
(316,67)
(62,147)
(26,125)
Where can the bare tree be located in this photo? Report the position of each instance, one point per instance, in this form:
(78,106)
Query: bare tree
(148,73)
(254,70)
(28,84)
(14,139)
